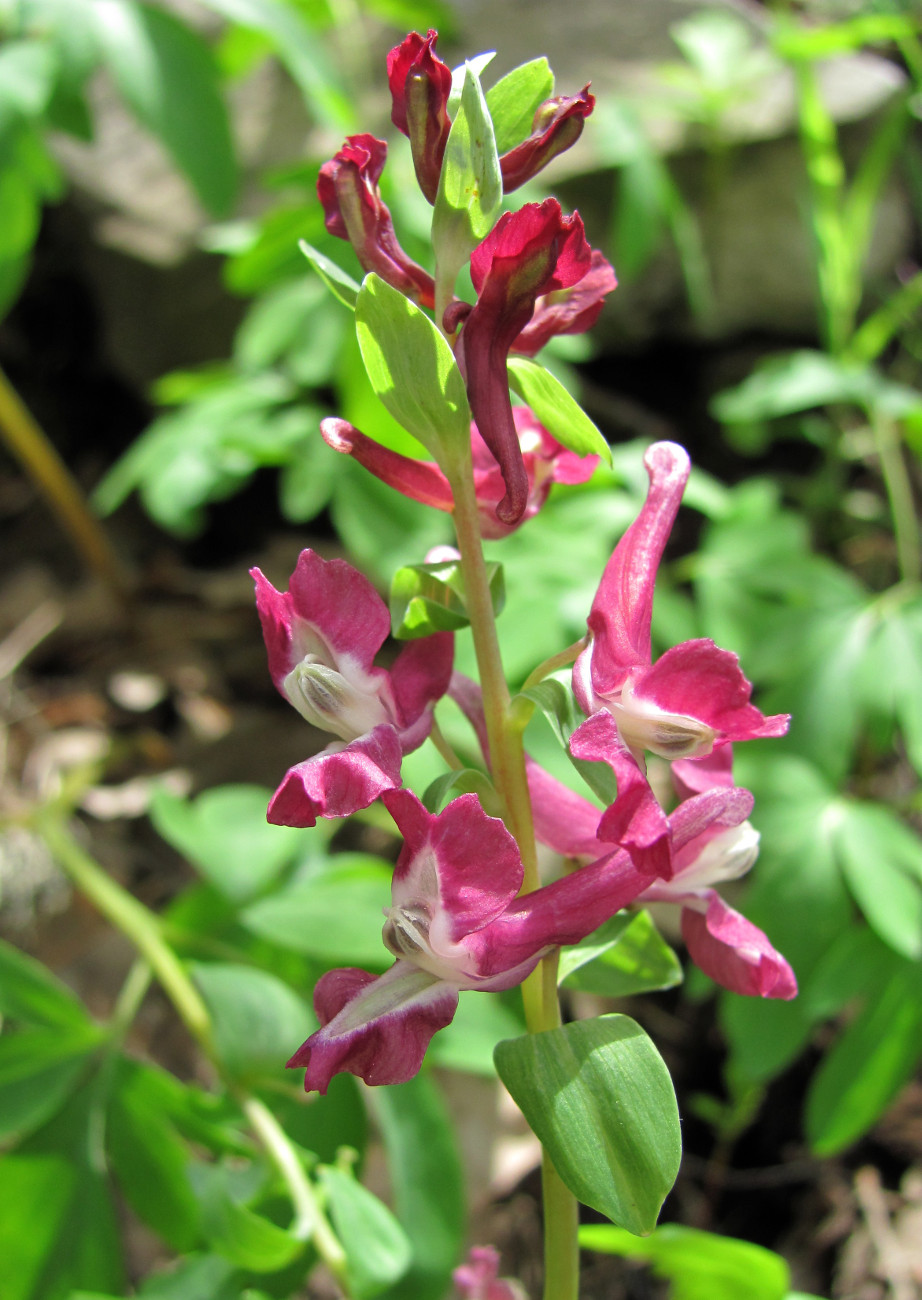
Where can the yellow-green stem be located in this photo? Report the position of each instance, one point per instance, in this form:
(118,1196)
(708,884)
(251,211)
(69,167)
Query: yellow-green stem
(27,442)
(144,929)
(507,763)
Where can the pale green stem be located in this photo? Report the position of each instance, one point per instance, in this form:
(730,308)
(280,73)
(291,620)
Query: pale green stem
(507,762)
(559,660)
(899,492)
(27,442)
(144,929)
(444,749)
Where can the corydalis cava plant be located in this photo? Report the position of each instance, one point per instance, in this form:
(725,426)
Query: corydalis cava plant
(469,911)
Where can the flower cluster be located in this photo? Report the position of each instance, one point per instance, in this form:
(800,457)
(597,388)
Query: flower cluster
(457,919)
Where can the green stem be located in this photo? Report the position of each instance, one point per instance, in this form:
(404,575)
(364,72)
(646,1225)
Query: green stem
(27,442)
(145,931)
(559,660)
(899,492)
(507,762)
(444,749)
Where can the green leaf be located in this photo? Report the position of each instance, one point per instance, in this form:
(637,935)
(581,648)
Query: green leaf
(30,993)
(514,99)
(225,835)
(881,861)
(699,1265)
(481,1021)
(599,1098)
(168,76)
(39,1068)
(299,48)
(560,414)
(412,369)
(626,955)
(378,1252)
(58,1228)
(340,284)
(427,598)
(258,1021)
(149,1159)
(427,1182)
(470,190)
(247,1239)
(866,1067)
(334,914)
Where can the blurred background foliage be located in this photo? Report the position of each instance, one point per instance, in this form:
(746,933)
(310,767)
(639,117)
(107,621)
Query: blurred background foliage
(754,173)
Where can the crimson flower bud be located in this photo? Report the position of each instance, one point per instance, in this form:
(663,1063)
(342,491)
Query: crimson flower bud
(420,85)
(558,123)
(354,210)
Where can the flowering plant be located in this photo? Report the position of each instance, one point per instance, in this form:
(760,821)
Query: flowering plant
(470,910)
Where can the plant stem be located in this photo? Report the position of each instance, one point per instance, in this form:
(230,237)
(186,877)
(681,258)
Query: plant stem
(899,492)
(559,660)
(144,929)
(507,762)
(445,750)
(28,443)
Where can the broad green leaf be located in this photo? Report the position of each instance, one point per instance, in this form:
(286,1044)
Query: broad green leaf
(30,993)
(225,835)
(470,192)
(246,1238)
(881,861)
(58,1227)
(481,1021)
(600,1099)
(340,284)
(427,1182)
(298,47)
(378,1252)
(427,598)
(149,1159)
(294,326)
(39,1068)
(866,1067)
(560,413)
(167,74)
(626,955)
(258,1021)
(514,100)
(412,369)
(334,915)
(699,1265)
(555,700)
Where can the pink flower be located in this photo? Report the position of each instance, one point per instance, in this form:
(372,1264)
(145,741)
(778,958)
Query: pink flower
(558,124)
(455,922)
(695,696)
(706,840)
(321,636)
(420,85)
(544,459)
(527,254)
(477,1278)
(354,210)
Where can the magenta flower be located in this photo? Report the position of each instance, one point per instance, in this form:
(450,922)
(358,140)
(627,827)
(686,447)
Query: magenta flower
(321,636)
(569,311)
(354,210)
(545,460)
(558,124)
(420,85)
(527,254)
(695,696)
(455,923)
(708,841)
(478,1277)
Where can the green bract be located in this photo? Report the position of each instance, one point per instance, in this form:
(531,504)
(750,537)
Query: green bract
(412,369)
(515,98)
(599,1097)
(561,414)
(427,598)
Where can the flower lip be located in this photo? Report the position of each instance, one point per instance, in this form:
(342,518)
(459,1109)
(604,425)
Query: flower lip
(644,726)
(334,701)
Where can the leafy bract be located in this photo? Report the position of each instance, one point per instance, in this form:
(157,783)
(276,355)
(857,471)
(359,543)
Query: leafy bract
(599,1097)
(412,369)
(557,410)
(514,100)
(378,1252)
(470,189)
(338,281)
(624,956)
(427,598)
